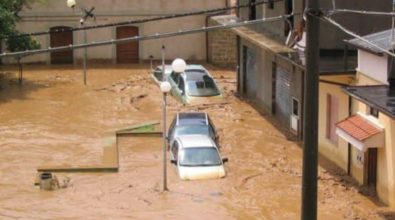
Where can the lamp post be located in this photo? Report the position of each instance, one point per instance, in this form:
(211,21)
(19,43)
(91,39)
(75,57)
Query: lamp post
(165,87)
(72,4)
(178,66)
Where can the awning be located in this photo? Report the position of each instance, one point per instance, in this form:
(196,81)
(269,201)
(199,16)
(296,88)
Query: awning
(361,131)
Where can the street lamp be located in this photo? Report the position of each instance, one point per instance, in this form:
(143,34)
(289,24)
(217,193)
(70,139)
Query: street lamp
(178,66)
(165,87)
(72,4)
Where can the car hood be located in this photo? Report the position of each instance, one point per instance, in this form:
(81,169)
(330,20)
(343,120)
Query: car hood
(196,173)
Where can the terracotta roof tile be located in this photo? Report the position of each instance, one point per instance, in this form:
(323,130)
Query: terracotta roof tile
(357,127)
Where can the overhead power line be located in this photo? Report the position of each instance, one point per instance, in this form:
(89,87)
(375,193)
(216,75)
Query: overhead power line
(147,37)
(378,13)
(349,32)
(144,20)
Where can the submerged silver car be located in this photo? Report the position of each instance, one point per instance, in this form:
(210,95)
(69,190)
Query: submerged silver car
(192,123)
(190,86)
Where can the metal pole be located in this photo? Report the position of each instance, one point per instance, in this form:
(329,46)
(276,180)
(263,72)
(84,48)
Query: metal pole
(20,71)
(310,147)
(163,63)
(164,143)
(85,52)
(164,123)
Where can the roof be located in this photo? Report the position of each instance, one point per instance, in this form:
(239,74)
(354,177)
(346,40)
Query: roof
(381,39)
(196,141)
(192,118)
(376,96)
(358,128)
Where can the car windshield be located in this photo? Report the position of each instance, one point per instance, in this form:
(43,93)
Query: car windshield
(200,84)
(199,156)
(194,129)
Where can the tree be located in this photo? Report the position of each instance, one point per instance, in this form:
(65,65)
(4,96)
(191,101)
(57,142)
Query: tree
(9,10)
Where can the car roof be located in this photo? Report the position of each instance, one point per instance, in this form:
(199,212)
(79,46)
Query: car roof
(192,118)
(188,141)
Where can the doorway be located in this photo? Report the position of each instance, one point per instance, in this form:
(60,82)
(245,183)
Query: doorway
(62,38)
(371,167)
(127,52)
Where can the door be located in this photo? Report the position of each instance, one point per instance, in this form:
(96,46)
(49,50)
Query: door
(244,70)
(251,74)
(63,38)
(371,167)
(127,52)
(282,95)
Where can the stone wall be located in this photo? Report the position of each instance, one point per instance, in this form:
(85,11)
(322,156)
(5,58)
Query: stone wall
(222,48)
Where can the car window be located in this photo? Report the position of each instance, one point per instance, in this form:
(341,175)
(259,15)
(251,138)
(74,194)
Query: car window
(175,77)
(191,129)
(181,85)
(174,150)
(199,156)
(158,74)
(171,128)
(204,87)
(212,133)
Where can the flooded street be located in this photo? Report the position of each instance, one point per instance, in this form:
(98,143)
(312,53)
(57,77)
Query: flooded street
(53,119)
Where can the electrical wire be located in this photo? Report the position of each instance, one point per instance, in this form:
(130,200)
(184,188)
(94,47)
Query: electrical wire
(144,20)
(331,21)
(147,37)
(378,13)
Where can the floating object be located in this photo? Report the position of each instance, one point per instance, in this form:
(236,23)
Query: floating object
(46,181)
(110,160)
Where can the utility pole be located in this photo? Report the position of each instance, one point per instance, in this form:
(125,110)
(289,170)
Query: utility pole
(310,146)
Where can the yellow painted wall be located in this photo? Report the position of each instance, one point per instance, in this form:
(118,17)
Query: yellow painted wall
(386,155)
(336,153)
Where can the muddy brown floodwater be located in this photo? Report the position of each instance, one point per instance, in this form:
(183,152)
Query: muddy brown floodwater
(53,119)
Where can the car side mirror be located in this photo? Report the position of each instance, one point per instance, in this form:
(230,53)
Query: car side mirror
(225,160)
(173,162)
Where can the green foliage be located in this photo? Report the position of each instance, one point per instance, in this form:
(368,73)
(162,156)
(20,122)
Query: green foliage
(9,10)
(21,43)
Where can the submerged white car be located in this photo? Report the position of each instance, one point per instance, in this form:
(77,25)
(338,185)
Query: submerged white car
(197,157)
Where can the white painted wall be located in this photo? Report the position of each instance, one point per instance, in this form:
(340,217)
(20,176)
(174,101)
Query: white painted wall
(373,66)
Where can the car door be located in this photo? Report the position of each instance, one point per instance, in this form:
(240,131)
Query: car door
(174,80)
(171,132)
(181,89)
(212,131)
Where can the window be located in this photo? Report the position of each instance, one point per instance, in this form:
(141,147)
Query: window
(158,74)
(332,112)
(181,85)
(271,4)
(295,107)
(174,150)
(374,112)
(175,76)
(252,10)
